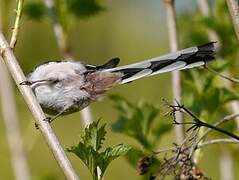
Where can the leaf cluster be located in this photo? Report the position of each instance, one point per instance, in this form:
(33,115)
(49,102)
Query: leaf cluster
(89,150)
(140,122)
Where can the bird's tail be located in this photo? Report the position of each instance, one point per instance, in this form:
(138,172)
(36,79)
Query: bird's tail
(184,59)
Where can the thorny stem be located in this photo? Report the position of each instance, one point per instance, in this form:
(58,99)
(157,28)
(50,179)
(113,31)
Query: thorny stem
(16,24)
(231,79)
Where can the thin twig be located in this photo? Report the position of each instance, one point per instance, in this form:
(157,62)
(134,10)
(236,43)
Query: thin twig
(52,141)
(16,24)
(176,81)
(231,79)
(222,121)
(64,47)
(200,123)
(217,141)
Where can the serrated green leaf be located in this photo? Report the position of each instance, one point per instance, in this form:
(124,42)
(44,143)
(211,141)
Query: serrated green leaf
(110,154)
(135,120)
(89,150)
(94,136)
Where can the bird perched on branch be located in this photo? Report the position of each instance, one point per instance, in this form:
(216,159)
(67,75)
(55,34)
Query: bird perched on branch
(64,87)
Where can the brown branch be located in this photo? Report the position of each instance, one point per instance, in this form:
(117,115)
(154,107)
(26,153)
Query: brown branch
(52,141)
(176,81)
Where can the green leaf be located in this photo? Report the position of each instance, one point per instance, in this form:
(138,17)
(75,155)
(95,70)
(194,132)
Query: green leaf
(134,155)
(89,150)
(35,10)
(135,120)
(110,154)
(84,8)
(94,136)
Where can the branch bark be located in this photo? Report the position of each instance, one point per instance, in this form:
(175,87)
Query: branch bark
(64,47)
(10,118)
(176,81)
(52,141)
(234,11)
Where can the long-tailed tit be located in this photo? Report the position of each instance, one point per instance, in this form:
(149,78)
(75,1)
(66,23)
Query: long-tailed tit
(64,87)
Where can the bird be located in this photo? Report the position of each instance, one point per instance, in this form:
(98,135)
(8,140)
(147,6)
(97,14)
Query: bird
(67,86)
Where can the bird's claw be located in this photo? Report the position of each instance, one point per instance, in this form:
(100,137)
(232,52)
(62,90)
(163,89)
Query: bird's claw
(48,119)
(26,83)
(36,126)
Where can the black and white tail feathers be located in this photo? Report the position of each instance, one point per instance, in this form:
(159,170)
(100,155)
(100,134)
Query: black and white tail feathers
(184,59)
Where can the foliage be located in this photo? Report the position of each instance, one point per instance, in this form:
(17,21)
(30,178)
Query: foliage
(89,150)
(35,10)
(140,122)
(84,8)
(203,91)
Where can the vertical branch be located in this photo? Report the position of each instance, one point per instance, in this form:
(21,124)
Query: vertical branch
(52,141)
(10,118)
(176,82)
(234,11)
(226,166)
(63,45)
(17,24)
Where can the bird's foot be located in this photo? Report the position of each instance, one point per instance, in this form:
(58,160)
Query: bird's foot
(36,126)
(48,119)
(28,83)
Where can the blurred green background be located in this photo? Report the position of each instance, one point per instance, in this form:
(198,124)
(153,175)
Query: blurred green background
(132,30)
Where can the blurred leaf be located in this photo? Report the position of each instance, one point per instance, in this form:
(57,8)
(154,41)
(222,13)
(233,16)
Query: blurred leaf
(135,120)
(134,155)
(161,129)
(84,8)
(35,10)
(88,150)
